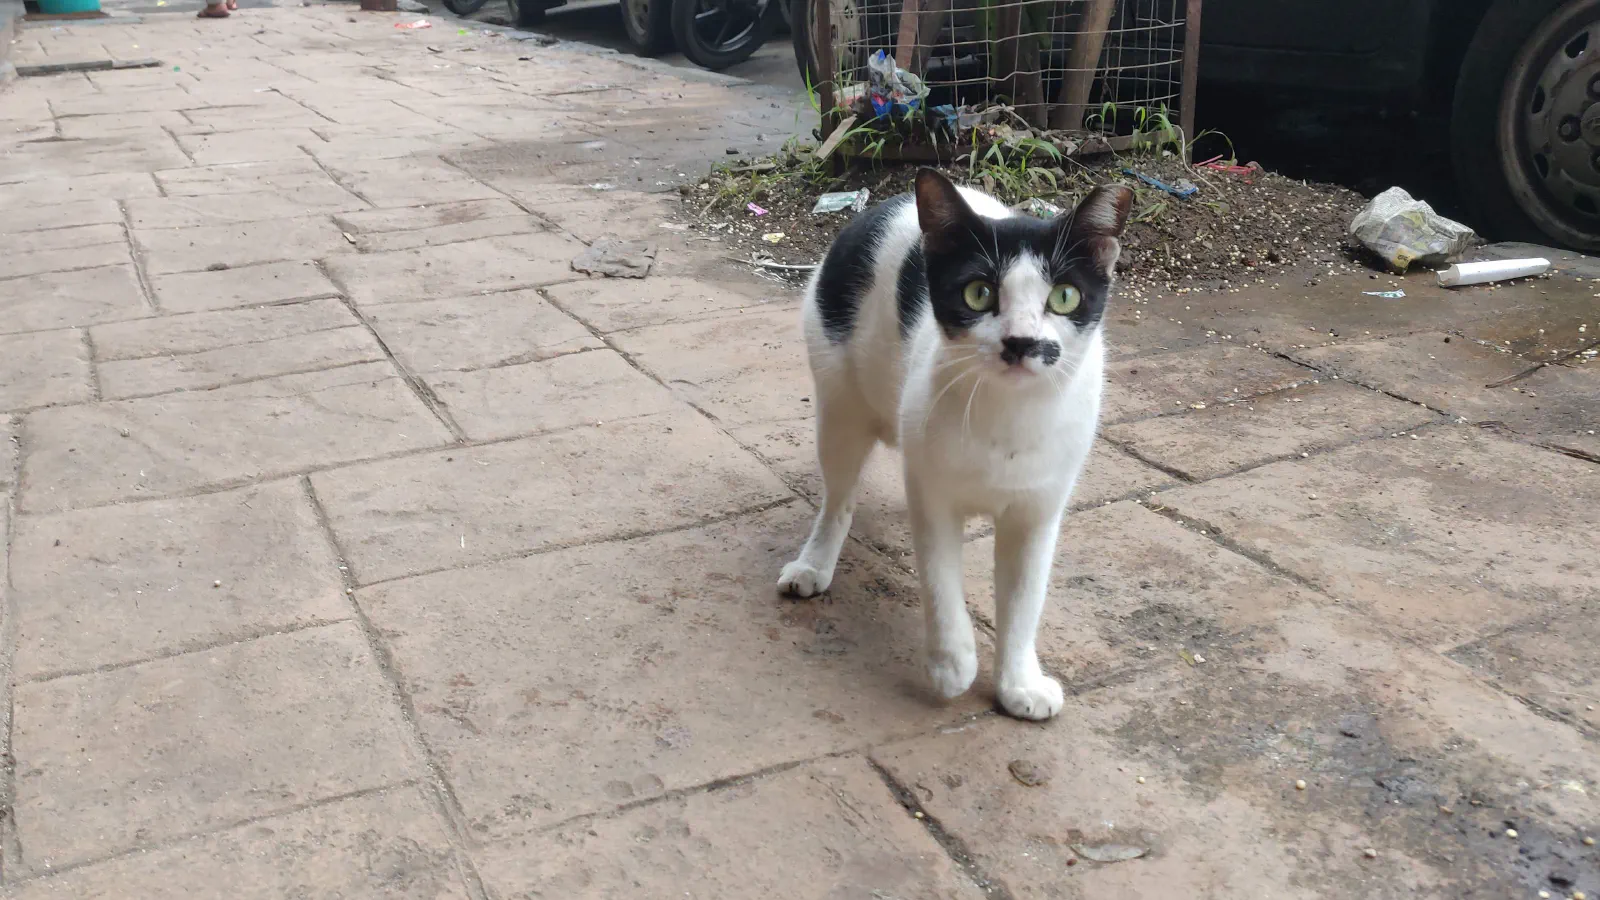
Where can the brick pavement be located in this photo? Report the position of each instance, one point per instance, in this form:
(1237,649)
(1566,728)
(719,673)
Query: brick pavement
(356,547)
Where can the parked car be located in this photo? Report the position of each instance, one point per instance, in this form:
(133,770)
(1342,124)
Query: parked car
(1520,80)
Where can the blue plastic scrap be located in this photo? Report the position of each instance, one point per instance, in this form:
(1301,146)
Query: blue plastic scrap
(1184,190)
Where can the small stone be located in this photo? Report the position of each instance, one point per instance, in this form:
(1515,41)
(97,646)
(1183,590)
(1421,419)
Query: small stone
(918,814)
(1300,785)
(217,583)
(1544,895)
(1027,774)
(1370,853)
(1579,895)
(1140,779)
(1511,833)
(1198,659)
(1588,842)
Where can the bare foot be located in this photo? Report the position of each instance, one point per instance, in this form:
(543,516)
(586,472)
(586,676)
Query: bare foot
(213,11)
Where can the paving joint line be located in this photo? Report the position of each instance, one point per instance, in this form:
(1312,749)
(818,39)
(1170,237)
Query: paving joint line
(440,791)
(952,845)
(420,388)
(136,255)
(231,825)
(182,649)
(10,839)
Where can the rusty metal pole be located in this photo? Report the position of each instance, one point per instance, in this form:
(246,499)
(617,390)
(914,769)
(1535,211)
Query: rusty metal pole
(1191,74)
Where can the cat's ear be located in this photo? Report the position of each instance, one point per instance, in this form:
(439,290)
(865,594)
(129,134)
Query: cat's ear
(941,212)
(1097,223)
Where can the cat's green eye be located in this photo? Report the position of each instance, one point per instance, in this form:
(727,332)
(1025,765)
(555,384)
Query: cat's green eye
(979,296)
(1064,298)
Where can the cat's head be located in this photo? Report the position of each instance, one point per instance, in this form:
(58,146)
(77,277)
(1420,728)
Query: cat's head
(1026,295)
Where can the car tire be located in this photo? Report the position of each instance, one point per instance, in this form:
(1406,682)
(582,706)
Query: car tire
(526,12)
(649,25)
(1525,127)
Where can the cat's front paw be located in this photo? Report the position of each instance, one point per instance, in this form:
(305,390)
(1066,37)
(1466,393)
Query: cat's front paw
(951,672)
(801,579)
(1037,696)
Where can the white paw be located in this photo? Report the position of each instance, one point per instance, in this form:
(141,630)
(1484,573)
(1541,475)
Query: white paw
(951,672)
(1036,696)
(801,579)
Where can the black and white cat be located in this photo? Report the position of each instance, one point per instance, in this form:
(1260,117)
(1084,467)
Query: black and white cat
(971,336)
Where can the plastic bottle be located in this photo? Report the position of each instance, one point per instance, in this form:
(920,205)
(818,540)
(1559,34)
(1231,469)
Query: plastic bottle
(1464,274)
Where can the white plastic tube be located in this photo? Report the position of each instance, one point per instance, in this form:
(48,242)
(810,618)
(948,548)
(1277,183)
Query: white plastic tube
(1498,270)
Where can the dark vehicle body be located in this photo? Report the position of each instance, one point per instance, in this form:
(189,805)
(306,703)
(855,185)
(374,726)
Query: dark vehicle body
(1517,83)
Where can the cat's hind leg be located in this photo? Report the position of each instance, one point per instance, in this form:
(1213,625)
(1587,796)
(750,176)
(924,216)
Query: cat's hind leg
(846,434)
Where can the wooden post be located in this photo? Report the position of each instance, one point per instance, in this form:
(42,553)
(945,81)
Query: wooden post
(1018,69)
(822,52)
(1083,63)
(905,44)
(929,23)
(1191,73)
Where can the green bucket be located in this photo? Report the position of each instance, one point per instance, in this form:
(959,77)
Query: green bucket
(58,7)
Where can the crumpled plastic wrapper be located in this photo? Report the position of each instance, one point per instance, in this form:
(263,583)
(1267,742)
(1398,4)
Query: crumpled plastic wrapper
(1404,230)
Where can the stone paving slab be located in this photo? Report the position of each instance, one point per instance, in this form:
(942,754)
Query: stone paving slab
(251,145)
(199,332)
(34,217)
(576,389)
(714,364)
(1227,437)
(62,299)
(138,449)
(428,273)
(1453,374)
(93,157)
(706,676)
(111,760)
(288,177)
(449,234)
(44,369)
(10,428)
(1546,664)
(57,239)
(467,505)
(252,206)
(202,247)
(467,333)
(65,189)
(37,262)
(1447,536)
(243,286)
(1198,765)
(409,182)
(1145,386)
(112,586)
(611,305)
(434,215)
(319,350)
(1132,589)
(822,831)
(109,124)
(385,844)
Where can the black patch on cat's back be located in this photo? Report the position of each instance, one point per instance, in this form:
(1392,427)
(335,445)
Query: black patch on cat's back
(848,269)
(911,289)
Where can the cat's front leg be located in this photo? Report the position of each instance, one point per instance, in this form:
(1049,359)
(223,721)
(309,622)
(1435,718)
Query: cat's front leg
(952,649)
(1024,548)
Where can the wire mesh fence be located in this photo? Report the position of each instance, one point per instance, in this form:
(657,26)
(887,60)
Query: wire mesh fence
(1071,70)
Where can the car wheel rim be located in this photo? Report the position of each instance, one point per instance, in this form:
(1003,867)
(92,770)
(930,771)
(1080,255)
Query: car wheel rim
(723,25)
(1550,126)
(638,15)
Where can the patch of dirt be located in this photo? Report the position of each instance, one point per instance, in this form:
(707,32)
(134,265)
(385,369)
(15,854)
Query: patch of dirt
(1240,227)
